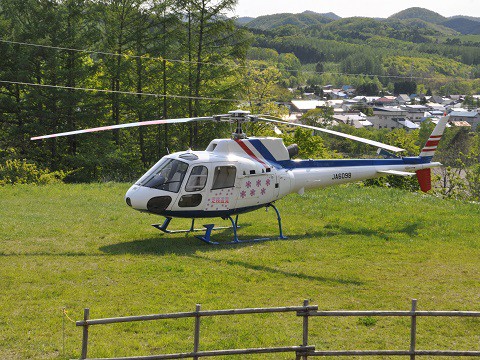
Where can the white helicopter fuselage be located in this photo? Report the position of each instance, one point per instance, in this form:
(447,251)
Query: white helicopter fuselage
(236,176)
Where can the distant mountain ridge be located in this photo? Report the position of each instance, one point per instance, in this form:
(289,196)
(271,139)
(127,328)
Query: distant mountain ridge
(419,13)
(305,19)
(462,24)
(459,23)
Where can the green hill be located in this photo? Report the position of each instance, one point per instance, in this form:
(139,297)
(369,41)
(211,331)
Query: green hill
(419,13)
(463,25)
(302,20)
(412,30)
(244,20)
(416,16)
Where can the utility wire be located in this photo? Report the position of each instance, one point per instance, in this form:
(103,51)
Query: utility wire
(117,92)
(231,65)
(148,57)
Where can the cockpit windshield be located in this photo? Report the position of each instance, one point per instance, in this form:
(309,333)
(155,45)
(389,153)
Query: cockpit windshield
(167,175)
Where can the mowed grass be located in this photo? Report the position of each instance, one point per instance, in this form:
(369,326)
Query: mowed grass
(352,248)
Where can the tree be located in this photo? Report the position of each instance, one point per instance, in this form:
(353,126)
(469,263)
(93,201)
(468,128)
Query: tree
(260,87)
(318,117)
(405,87)
(212,45)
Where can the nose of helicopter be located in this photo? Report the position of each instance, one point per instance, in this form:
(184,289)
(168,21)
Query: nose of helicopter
(135,198)
(146,199)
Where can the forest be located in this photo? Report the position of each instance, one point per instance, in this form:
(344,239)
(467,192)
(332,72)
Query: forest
(71,64)
(389,50)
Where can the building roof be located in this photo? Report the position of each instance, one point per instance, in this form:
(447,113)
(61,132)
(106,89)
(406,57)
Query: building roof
(365,123)
(386,99)
(436,106)
(415,107)
(305,105)
(465,114)
(408,124)
(460,123)
(354,120)
(389,109)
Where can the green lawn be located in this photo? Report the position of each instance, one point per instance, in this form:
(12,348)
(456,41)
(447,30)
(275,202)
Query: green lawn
(353,248)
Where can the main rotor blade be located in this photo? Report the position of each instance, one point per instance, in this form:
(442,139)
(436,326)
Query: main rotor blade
(121,126)
(337,133)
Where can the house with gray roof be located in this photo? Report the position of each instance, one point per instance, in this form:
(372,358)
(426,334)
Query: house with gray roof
(403,99)
(391,117)
(471,117)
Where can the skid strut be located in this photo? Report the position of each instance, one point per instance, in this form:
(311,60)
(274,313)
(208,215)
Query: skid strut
(206,238)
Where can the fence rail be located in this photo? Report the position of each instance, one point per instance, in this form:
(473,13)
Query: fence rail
(303,351)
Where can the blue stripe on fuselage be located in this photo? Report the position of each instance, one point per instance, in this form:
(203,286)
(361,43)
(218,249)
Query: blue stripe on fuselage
(266,154)
(290,164)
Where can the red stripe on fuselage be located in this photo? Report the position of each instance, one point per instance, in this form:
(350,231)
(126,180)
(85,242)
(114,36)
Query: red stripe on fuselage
(249,152)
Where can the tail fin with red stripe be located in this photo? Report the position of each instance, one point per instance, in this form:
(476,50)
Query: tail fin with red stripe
(424,176)
(431,146)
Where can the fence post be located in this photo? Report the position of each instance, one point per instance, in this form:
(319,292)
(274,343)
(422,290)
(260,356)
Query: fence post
(196,337)
(86,316)
(305,327)
(413,330)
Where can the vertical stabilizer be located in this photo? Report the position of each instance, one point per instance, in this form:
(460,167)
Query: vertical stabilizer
(431,146)
(424,176)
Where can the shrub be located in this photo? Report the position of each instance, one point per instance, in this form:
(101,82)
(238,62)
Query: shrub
(22,172)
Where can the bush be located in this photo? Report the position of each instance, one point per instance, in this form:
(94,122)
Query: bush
(393,181)
(22,172)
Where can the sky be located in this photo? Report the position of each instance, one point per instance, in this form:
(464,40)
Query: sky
(348,8)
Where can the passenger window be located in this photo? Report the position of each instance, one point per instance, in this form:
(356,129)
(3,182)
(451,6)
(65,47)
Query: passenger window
(192,200)
(224,177)
(197,179)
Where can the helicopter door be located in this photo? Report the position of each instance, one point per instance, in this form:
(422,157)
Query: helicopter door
(223,194)
(193,195)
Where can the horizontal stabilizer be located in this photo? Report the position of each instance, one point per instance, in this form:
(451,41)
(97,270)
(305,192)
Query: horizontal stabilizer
(395,172)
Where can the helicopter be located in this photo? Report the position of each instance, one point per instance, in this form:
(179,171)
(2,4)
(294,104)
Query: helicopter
(242,174)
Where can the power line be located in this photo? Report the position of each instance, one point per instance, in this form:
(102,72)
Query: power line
(148,57)
(117,92)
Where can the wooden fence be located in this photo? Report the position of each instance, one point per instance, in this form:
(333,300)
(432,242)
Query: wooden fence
(301,352)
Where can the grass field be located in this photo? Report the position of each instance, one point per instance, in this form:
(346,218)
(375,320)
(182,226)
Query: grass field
(353,248)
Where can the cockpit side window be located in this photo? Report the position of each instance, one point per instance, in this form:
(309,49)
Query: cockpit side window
(197,179)
(168,176)
(224,177)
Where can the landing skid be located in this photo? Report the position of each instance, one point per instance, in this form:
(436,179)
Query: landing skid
(165,224)
(208,228)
